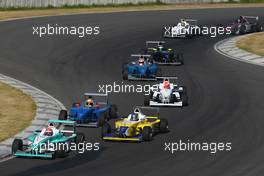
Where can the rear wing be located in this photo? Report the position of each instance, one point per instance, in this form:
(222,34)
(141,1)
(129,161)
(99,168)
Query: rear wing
(155,43)
(192,22)
(140,55)
(104,101)
(150,112)
(254,17)
(167,78)
(66,123)
(251,19)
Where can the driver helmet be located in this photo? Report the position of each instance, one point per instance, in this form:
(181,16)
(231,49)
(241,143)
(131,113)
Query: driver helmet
(89,102)
(48,131)
(134,117)
(183,22)
(166,84)
(160,46)
(241,19)
(51,125)
(141,60)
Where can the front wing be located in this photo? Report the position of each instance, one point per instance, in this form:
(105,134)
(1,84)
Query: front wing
(154,103)
(112,137)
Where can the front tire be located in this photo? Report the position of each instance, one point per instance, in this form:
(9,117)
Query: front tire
(242,30)
(147,133)
(17,145)
(60,153)
(106,129)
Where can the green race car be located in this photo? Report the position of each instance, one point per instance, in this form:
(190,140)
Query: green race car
(50,142)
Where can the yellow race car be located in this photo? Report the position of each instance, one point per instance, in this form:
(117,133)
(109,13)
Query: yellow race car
(136,126)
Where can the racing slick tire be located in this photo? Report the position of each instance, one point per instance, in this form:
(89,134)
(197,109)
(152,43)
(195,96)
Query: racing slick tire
(147,133)
(61,152)
(80,137)
(113,111)
(242,29)
(101,119)
(63,115)
(180,58)
(259,28)
(17,145)
(125,75)
(163,126)
(146,100)
(184,100)
(106,129)
(173,98)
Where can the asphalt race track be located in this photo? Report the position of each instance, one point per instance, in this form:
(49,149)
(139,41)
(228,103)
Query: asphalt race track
(226,96)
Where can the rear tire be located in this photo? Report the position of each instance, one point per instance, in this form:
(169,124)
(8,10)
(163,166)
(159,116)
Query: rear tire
(101,119)
(63,115)
(106,129)
(125,75)
(61,153)
(180,58)
(163,126)
(17,145)
(113,111)
(184,99)
(146,100)
(79,138)
(259,28)
(147,133)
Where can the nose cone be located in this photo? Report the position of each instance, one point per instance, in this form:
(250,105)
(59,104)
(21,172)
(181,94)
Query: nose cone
(142,70)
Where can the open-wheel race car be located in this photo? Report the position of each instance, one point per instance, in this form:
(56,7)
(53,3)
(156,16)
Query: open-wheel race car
(50,142)
(245,24)
(186,28)
(141,125)
(162,55)
(167,93)
(140,68)
(94,111)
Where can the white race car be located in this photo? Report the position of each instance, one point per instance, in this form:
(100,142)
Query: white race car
(185,28)
(166,94)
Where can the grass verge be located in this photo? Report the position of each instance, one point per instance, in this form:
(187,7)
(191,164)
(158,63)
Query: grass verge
(253,43)
(17,110)
(15,13)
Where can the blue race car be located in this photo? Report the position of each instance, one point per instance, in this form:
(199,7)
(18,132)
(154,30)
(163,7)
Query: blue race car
(161,55)
(91,112)
(140,69)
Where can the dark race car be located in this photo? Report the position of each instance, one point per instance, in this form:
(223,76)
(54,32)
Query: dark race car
(162,55)
(245,24)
